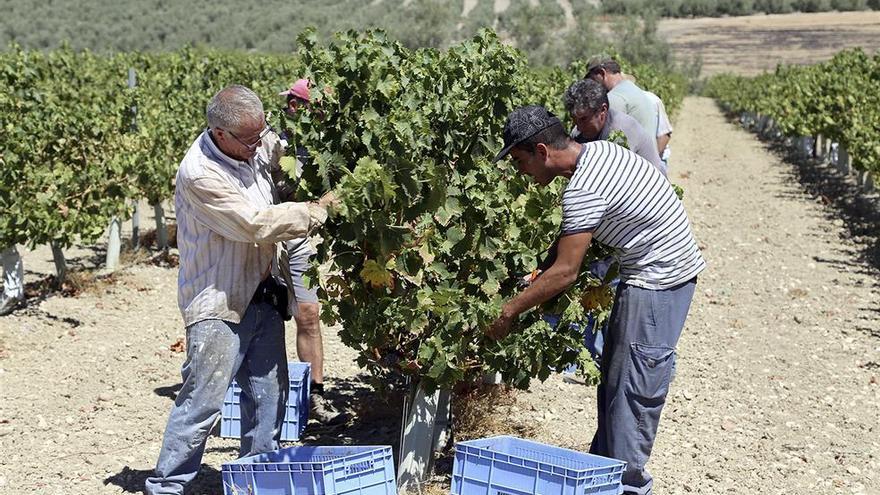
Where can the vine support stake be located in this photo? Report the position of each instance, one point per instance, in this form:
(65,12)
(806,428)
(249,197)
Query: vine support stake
(161,231)
(60,263)
(806,146)
(866,181)
(426,424)
(136,226)
(114,243)
(763,123)
(843,160)
(135,217)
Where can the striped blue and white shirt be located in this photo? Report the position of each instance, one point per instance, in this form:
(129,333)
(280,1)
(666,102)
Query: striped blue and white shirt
(628,205)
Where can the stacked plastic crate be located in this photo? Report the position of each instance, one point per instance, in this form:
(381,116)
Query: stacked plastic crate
(296,416)
(513,466)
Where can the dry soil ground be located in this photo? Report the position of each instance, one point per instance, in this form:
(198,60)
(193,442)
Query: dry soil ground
(777,388)
(752,44)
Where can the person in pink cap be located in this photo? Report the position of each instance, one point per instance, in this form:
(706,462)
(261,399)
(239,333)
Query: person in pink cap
(309,341)
(297,96)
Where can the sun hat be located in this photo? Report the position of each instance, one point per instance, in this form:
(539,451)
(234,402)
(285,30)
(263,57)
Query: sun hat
(300,89)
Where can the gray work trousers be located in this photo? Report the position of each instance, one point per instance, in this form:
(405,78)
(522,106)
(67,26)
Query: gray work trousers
(13,273)
(637,366)
(253,352)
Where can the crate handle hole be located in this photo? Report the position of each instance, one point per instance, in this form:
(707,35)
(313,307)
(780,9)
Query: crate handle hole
(359,467)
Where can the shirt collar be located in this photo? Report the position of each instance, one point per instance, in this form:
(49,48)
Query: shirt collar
(582,155)
(607,128)
(216,153)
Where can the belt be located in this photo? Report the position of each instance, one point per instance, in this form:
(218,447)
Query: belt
(267,291)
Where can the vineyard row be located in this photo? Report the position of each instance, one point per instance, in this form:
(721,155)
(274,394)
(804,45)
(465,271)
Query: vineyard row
(837,100)
(79,144)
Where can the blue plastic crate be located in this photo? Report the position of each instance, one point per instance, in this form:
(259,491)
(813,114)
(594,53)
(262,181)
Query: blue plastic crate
(355,470)
(512,466)
(296,416)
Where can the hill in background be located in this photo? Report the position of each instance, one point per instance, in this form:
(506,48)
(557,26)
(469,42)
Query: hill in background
(753,44)
(269,25)
(551,32)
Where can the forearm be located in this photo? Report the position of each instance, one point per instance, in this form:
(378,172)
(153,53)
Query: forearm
(571,250)
(548,285)
(234,217)
(283,222)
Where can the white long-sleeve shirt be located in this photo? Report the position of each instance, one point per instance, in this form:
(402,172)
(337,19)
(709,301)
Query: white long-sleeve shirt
(228,227)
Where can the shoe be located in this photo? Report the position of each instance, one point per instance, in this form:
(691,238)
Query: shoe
(9,304)
(323,411)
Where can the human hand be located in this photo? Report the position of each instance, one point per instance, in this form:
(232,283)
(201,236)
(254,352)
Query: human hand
(329,200)
(500,328)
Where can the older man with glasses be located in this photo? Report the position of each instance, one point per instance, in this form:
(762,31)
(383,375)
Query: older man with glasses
(231,286)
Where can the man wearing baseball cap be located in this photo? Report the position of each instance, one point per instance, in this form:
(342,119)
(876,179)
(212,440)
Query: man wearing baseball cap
(623,94)
(297,95)
(619,199)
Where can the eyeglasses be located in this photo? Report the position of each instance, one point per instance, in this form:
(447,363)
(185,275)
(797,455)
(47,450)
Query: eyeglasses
(253,146)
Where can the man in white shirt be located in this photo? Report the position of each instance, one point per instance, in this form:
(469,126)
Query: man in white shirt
(623,94)
(622,201)
(232,302)
(664,128)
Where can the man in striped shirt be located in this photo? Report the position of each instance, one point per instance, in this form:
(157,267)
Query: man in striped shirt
(233,306)
(621,200)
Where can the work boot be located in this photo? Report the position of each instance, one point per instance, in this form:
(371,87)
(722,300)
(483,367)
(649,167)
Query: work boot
(9,304)
(323,411)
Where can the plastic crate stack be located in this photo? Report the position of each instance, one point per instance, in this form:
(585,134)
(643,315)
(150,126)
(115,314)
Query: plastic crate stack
(512,466)
(295,418)
(354,470)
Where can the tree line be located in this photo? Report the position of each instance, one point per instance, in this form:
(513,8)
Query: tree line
(542,31)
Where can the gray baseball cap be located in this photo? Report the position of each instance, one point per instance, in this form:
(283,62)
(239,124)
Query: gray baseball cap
(523,123)
(602,61)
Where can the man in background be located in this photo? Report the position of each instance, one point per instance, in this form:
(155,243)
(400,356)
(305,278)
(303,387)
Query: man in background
(623,95)
(587,102)
(309,339)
